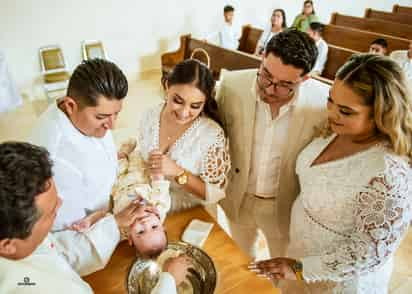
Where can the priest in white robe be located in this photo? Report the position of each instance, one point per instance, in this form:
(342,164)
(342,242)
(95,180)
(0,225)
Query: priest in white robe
(33,260)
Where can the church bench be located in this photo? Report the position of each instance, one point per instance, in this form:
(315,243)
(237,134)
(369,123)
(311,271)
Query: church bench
(373,25)
(404,18)
(402,9)
(359,40)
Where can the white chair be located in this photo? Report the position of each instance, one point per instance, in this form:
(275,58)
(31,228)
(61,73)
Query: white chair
(54,70)
(93,49)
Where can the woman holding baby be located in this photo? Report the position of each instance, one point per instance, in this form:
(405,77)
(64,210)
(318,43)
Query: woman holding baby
(182,138)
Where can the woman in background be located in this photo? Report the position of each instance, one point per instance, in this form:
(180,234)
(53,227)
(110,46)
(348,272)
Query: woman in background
(277,25)
(303,20)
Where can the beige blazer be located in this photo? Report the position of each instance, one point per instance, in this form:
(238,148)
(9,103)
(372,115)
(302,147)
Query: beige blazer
(237,107)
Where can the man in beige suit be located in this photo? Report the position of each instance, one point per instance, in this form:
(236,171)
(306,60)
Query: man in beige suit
(269,115)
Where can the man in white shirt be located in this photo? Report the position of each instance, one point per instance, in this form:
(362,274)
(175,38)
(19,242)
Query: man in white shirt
(229,35)
(32,260)
(76,131)
(404,59)
(269,115)
(315,32)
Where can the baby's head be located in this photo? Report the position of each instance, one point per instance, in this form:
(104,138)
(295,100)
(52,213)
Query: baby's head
(148,235)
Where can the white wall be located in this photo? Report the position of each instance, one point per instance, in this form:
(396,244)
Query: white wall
(135,32)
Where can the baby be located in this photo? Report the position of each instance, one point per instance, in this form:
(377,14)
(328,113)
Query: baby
(150,194)
(147,233)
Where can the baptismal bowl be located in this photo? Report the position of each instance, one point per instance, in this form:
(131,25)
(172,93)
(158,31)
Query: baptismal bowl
(144,274)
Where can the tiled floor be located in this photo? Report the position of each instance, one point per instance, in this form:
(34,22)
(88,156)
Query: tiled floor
(16,125)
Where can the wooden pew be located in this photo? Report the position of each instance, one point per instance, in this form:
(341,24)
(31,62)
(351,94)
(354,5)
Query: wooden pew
(337,56)
(249,39)
(402,9)
(235,60)
(389,16)
(219,57)
(360,40)
(373,25)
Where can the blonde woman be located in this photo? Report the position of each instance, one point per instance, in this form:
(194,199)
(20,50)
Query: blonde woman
(354,207)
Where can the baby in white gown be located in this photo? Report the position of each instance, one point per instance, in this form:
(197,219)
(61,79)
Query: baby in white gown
(147,233)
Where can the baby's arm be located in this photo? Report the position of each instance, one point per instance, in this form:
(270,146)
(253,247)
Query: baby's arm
(87,222)
(126,148)
(160,197)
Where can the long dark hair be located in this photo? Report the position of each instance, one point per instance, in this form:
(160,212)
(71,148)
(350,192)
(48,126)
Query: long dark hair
(311,3)
(193,72)
(284,25)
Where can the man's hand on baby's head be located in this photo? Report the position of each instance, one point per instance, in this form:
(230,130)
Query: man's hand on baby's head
(126,217)
(178,267)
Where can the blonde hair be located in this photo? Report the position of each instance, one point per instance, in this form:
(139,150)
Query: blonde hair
(383,85)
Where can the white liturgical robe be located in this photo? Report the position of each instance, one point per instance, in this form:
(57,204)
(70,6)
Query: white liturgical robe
(84,167)
(57,264)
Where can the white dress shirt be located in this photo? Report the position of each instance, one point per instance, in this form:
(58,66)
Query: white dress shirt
(322,56)
(227,37)
(402,58)
(57,264)
(84,167)
(268,146)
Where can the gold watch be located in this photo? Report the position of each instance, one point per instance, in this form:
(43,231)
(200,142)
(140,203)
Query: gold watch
(298,269)
(183,178)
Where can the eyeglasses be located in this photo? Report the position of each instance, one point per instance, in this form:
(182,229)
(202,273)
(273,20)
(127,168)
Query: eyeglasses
(281,88)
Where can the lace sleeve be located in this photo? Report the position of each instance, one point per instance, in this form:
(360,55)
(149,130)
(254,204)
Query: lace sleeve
(215,167)
(382,216)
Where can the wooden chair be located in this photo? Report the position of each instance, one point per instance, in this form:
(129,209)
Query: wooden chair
(54,70)
(402,9)
(358,40)
(249,39)
(93,49)
(372,25)
(389,16)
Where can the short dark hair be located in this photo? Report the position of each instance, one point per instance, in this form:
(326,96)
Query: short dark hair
(294,48)
(317,27)
(381,42)
(191,71)
(228,8)
(24,173)
(94,78)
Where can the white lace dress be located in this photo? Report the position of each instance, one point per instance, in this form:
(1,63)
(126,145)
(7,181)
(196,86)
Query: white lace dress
(349,219)
(202,150)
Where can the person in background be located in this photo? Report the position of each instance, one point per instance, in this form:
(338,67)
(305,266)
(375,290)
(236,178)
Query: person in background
(76,130)
(404,59)
(277,25)
(315,32)
(303,20)
(229,34)
(379,46)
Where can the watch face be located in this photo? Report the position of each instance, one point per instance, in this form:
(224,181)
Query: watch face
(298,266)
(182,179)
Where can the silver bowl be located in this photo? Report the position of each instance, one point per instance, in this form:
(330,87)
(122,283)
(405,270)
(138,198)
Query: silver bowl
(144,274)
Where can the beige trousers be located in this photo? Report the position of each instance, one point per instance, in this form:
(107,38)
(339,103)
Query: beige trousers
(257,214)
